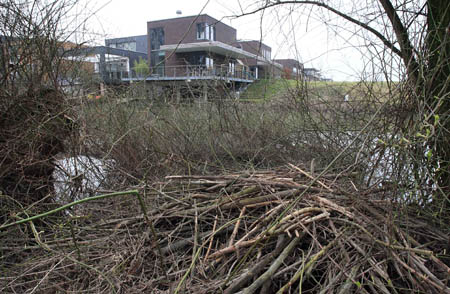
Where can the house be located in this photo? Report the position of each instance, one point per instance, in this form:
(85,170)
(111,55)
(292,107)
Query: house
(261,65)
(188,53)
(292,69)
(196,47)
(111,64)
(92,68)
(312,74)
(133,43)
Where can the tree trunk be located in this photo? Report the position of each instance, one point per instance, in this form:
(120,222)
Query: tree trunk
(437,73)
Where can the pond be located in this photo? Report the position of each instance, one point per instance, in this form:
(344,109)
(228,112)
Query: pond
(80,177)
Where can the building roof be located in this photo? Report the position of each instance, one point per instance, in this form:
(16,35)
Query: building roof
(219,48)
(311,69)
(190,16)
(210,46)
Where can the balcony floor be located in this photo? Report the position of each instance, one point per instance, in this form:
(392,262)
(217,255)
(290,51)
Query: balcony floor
(188,78)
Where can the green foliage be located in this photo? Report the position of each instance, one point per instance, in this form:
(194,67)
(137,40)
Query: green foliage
(141,68)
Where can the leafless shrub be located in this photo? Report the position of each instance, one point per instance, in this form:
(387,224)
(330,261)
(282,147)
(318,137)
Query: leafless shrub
(36,118)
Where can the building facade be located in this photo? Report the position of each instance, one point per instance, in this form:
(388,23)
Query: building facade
(195,47)
(312,74)
(261,65)
(292,69)
(133,43)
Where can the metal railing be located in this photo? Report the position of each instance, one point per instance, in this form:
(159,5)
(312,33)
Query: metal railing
(189,71)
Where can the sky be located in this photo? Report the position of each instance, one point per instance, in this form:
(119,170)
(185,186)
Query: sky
(291,31)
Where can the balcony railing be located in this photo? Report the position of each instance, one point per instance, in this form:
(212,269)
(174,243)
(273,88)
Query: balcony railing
(189,72)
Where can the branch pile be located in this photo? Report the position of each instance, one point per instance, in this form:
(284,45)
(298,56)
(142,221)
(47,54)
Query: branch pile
(277,231)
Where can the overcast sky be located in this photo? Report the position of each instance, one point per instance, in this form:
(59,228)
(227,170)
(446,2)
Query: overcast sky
(291,31)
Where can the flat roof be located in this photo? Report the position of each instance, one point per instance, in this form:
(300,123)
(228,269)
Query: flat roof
(219,48)
(191,16)
(136,36)
(264,62)
(210,46)
(253,41)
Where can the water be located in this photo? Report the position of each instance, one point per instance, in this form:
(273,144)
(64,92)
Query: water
(80,177)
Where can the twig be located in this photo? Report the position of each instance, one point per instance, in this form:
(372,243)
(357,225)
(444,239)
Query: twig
(211,240)
(44,246)
(273,268)
(133,192)
(182,243)
(236,227)
(194,260)
(233,248)
(257,268)
(309,265)
(415,250)
(311,177)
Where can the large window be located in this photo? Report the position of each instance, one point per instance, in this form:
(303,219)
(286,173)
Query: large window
(209,63)
(127,46)
(157,38)
(266,54)
(231,67)
(131,46)
(206,32)
(157,63)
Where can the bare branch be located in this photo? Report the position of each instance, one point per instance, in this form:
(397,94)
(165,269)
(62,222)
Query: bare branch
(385,41)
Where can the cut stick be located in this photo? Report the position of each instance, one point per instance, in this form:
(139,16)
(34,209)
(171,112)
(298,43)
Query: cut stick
(272,269)
(311,177)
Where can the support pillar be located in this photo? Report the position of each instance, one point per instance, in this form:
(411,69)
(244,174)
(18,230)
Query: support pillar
(178,93)
(102,89)
(205,92)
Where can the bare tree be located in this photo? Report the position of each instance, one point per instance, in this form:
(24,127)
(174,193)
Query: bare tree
(34,119)
(419,34)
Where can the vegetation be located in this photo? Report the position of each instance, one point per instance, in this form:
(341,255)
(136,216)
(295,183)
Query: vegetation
(141,68)
(297,187)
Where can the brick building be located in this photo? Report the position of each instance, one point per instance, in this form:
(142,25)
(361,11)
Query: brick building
(292,69)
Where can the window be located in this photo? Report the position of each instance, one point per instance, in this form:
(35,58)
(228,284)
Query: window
(209,63)
(157,62)
(266,54)
(294,70)
(231,67)
(157,38)
(206,32)
(127,46)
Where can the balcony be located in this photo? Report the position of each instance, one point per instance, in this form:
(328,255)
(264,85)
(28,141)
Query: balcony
(192,72)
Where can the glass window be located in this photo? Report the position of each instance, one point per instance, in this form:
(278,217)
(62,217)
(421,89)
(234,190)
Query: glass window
(209,62)
(206,32)
(157,38)
(157,62)
(266,54)
(201,31)
(231,67)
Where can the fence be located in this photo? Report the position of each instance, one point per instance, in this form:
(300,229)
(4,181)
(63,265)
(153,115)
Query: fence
(186,72)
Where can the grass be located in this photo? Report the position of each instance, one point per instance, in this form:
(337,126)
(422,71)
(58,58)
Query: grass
(269,89)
